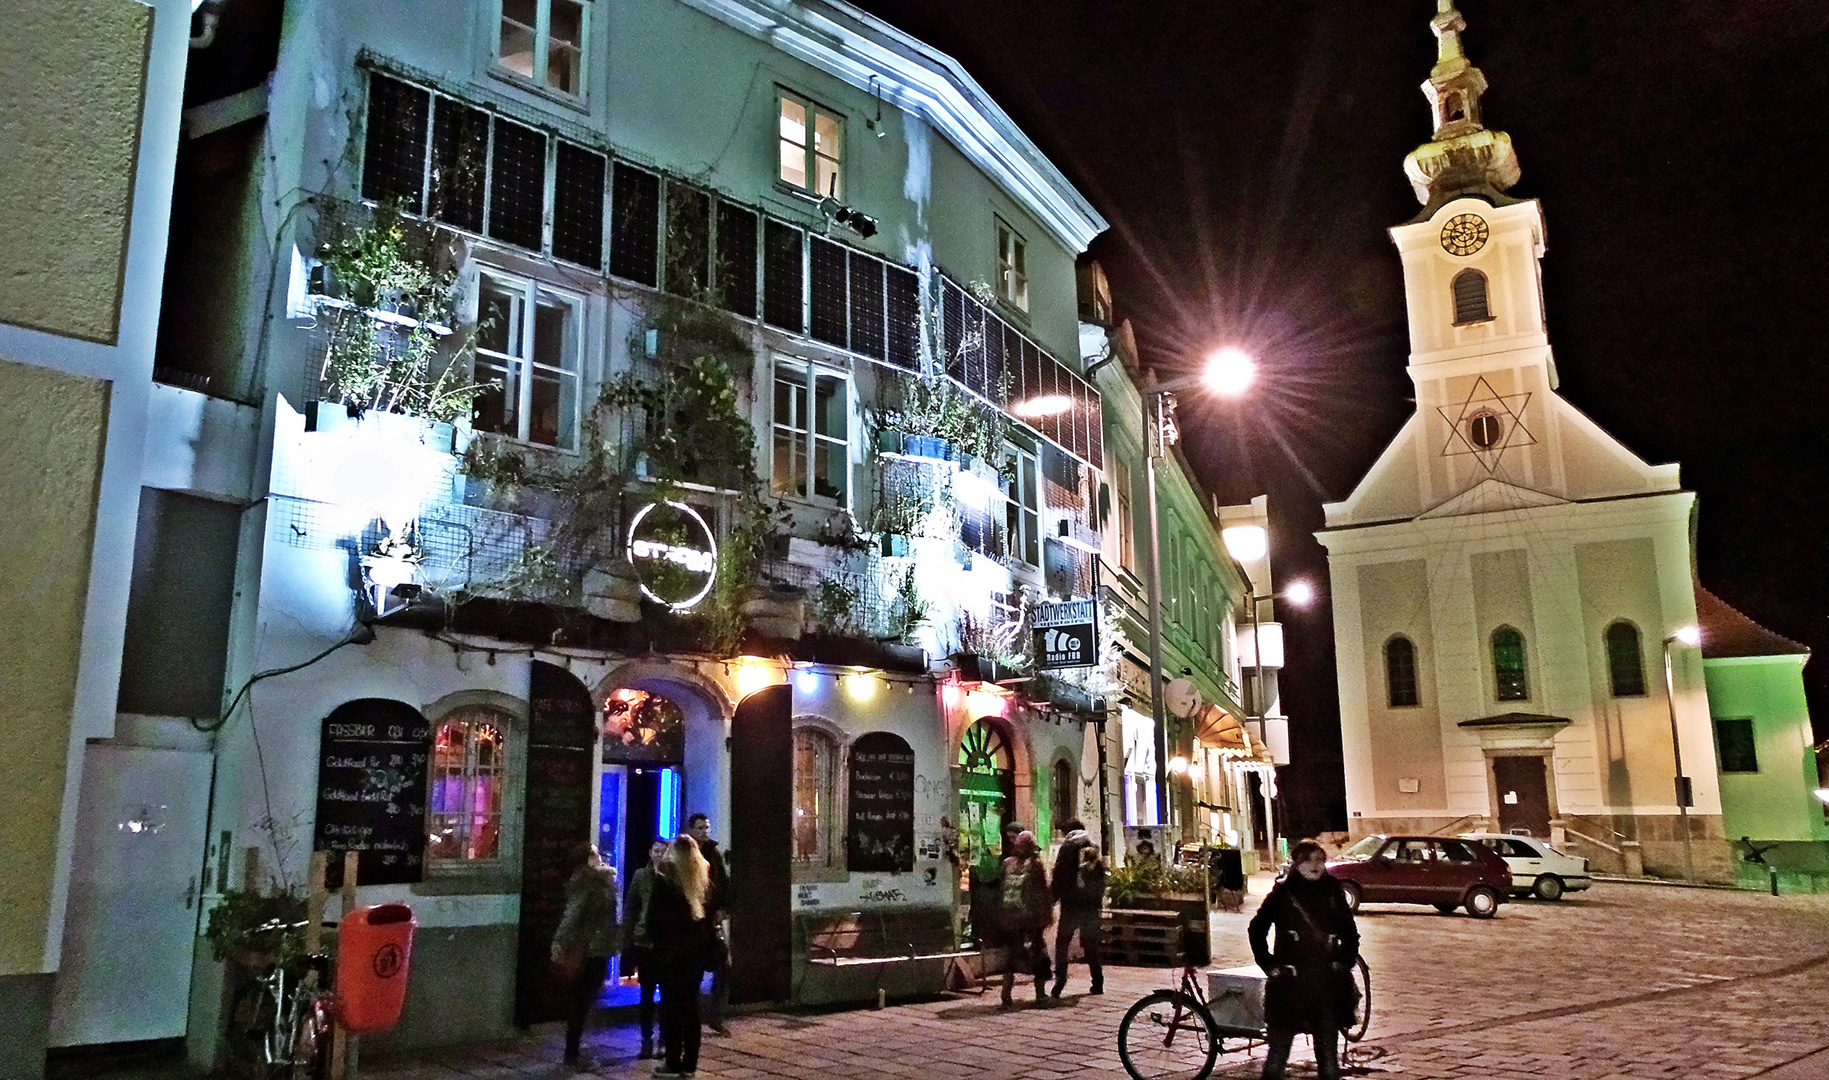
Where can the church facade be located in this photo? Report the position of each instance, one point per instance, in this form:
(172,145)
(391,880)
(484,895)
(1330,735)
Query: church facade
(1514,595)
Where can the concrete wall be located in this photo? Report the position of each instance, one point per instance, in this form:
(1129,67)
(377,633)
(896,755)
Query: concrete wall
(1775,803)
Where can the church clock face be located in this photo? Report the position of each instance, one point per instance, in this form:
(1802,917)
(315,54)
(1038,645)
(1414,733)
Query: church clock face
(1464,234)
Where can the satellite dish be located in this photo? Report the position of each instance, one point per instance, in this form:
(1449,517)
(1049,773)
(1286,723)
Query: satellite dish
(1181,697)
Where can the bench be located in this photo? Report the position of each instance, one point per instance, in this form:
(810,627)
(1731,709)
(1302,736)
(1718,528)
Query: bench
(896,945)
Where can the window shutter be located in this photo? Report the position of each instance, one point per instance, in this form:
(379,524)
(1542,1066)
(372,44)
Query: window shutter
(634,224)
(578,206)
(517,185)
(1470,297)
(394,154)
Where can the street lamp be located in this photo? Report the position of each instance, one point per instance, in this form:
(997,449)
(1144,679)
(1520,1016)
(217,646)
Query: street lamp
(1688,635)
(1230,372)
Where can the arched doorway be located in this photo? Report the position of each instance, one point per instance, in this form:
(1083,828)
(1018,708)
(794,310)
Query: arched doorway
(987,799)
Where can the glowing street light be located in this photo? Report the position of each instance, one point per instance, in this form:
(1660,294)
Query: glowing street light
(1045,405)
(1300,593)
(1230,371)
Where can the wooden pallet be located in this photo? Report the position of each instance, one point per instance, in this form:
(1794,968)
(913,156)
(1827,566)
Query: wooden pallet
(1140,938)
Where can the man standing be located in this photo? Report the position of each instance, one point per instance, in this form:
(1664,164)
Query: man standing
(1080,908)
(698,826)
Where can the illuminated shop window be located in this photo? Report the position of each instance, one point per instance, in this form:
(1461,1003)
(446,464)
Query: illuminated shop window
(544,41)
(527,345)
(464,804)
(815,799)
(811,142)
(812,433)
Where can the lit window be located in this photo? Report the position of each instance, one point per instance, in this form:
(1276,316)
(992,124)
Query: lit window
(1625,662)
(527,345)
(464,804)
(1470,298)
(811,147)
(1022,506)
(815,800)
(1508,665)
(544,40)
(1012,268)
(1400,673)
(812,433)
(1734,742)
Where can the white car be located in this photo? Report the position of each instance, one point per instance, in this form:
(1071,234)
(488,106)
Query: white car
(1536,867)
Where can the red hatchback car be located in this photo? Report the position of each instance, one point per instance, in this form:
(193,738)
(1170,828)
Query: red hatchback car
(1439,870)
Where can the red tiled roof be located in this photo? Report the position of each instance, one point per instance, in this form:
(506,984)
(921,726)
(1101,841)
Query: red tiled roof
(1728,632)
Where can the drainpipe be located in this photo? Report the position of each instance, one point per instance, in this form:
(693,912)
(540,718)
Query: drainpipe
(204,16)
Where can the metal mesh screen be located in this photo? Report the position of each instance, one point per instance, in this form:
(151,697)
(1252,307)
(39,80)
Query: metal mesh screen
(736,264)
(635,224)
(394,153)
(460,159)
(826,276)
(866,305)
(688,240)
(578,205)
(902,332)
(782,277)
(517,185)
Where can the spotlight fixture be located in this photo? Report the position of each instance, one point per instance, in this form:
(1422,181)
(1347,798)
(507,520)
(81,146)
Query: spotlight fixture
(856,220)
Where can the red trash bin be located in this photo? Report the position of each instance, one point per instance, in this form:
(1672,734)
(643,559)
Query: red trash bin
(374,947)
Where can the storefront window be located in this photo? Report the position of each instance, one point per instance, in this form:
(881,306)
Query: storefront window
(464,805)
(814,792)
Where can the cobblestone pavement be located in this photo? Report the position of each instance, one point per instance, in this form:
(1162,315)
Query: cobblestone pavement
(1624,981)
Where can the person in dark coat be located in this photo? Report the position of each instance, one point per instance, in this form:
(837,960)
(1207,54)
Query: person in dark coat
(680,932)
(585,939)
(698,826)
(1310,967)
(636,946)
(1024,912)
(1076,915)
(1082,908)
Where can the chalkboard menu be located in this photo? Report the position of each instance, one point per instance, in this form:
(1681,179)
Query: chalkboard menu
(561,736)
(371,790)
(881,828)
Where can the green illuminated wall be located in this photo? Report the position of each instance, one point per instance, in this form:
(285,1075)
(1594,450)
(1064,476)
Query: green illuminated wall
(1775,803)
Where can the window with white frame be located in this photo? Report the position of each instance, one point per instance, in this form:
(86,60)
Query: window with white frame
(812,144)
(815,801)
(467,788)
(1022,505)
(1127,537)
(1012,267)
(812,433)
(527,346)
(545,41)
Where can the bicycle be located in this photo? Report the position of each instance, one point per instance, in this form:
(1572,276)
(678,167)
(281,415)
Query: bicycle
(1171,1034)
(280,1023)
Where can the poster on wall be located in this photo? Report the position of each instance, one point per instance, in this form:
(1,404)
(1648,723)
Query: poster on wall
(372,761)
(880,832)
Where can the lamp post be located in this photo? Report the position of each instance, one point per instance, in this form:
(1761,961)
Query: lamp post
(1228,372)
(1688,635)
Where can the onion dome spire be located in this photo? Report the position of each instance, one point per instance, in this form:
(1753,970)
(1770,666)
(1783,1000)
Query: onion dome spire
(1463,158)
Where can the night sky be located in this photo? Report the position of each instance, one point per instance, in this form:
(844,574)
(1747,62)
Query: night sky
(1249,156)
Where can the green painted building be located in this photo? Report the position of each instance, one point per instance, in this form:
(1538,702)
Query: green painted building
(1763,746)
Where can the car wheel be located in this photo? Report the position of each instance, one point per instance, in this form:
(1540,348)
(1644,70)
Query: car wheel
(1482,902)
(1353,895)
(1446,909)
(1548,887)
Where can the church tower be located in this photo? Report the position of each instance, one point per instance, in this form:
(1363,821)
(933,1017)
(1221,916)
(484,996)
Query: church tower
(1506,576)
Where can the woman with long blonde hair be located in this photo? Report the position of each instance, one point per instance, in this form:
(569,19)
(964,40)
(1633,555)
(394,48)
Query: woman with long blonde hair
(680,934)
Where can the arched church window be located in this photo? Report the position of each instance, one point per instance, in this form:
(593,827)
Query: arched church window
(1470,298)
(1625,660)
(1400,673)
(1508,665)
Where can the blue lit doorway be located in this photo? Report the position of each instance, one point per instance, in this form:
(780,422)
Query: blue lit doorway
(639,799)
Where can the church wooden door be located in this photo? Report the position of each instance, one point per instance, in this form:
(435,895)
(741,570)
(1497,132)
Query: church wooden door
(1524,794)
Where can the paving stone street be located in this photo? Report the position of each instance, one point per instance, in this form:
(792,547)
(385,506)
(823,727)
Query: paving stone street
(1625,981)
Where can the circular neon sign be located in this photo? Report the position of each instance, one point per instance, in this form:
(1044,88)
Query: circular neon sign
(674,554)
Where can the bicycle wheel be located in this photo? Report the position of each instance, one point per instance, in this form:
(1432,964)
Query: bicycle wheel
(1354,1029)
(310,1041)
(1168,1036)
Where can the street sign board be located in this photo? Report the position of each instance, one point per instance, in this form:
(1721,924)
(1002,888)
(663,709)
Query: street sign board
(1066,635)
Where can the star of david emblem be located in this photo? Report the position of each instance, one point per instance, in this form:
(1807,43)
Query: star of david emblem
(1486,425)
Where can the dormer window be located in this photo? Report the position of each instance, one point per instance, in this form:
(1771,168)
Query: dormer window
(1470,305)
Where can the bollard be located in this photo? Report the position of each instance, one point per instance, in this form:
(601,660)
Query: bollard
(882,997)
(1634,858)
(1773,871)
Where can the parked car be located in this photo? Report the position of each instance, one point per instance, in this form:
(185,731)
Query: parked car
(1442,871)
(1537,869)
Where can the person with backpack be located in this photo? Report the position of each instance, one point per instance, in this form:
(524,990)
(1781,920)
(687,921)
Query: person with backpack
(1025,909)
(1310,966)
(1082,899)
